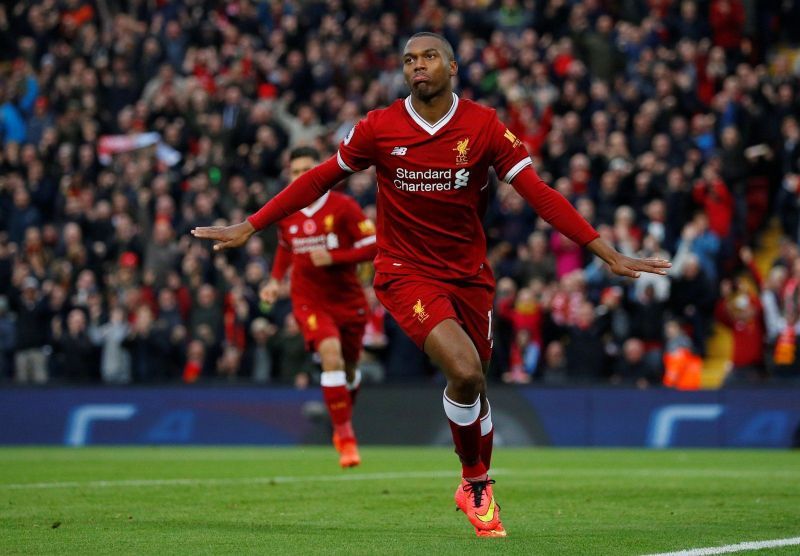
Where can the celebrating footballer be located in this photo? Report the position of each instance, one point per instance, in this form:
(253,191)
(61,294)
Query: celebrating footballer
(432,152)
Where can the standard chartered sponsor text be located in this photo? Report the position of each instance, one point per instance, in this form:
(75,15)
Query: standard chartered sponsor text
(307,244)
(429,180)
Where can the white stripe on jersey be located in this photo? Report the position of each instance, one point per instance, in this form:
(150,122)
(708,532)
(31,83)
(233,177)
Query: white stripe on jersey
(517,169)
(342,164)
(369,240)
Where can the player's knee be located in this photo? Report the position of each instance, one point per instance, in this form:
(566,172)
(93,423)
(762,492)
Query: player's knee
(331,361)
(467,381)
(330,355)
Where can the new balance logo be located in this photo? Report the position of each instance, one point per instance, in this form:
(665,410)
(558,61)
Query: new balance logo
(399,151)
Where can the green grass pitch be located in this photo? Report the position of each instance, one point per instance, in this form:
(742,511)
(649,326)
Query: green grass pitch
(399,501)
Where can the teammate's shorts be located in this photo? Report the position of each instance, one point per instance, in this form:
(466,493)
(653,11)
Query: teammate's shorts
(317,325)
(419,303)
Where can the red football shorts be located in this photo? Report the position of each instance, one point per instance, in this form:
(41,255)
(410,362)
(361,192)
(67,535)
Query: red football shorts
(418,304)
(317,325)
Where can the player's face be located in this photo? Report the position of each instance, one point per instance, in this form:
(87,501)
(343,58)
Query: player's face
(300,166)
(426,69)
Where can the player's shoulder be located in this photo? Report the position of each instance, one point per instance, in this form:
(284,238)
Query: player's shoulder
(387,113)
(477,110)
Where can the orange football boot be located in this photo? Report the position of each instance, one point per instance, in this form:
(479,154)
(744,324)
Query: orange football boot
(348,453)
(476,500)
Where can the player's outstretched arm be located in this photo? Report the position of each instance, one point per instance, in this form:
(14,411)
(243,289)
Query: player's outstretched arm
(555,209)
(624,265)
(297,195)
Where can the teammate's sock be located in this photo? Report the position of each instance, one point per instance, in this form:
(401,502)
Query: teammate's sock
(354,387)
(487,437)
(337,398)
(465,425)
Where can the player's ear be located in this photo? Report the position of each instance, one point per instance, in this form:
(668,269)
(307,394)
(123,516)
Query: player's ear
(453,68)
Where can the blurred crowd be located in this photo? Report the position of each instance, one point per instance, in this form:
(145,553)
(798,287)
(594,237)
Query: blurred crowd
(672,125)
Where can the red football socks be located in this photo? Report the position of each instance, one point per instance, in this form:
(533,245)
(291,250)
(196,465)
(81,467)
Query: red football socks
(487,438)
(465,425)
(354,387)
(337,398)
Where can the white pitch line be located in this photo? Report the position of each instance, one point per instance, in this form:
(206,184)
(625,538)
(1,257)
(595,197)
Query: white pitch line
(243,481)
(532,473)
(740,547)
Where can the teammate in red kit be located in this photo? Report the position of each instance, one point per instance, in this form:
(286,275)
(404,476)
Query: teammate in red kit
(323,243)
(432,152)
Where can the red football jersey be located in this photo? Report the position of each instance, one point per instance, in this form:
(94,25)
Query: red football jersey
(336,223)
(432,183)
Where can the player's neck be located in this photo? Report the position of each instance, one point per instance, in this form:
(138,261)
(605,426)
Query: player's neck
(433,109)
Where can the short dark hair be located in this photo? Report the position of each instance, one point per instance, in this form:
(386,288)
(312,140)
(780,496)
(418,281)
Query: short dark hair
(448,48)
(304,151)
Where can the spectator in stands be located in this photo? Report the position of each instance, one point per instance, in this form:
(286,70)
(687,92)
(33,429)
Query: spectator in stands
(206,311)
(74,353)
(196,365)
(629,103)
(258,361)
(637,366)
(682,366)
(33,323)
(535,261)
(115,360)
(692,299)
(375,341)
(586,357)
(8,339)
(229,363)
(698,240)
(148,347)
(161,252)
(294,362)
(554,369)
(525,314)
(24,214)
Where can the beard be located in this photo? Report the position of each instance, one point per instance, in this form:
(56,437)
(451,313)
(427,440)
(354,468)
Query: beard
(425,91)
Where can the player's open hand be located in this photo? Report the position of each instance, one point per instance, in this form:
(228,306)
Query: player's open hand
(628,266)
(321,257)
(227,237)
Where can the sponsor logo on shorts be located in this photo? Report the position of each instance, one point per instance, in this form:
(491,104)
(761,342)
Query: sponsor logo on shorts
(419,311)
(312,321)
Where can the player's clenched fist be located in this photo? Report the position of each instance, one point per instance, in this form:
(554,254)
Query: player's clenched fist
(269,292)
(321,257)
